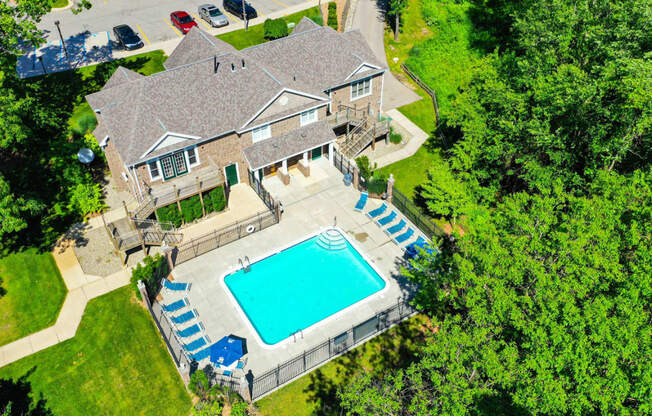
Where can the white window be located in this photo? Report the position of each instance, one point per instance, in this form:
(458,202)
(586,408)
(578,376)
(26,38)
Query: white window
(360,88)
(193,157)
(261,133)
(309,116)
(154,171)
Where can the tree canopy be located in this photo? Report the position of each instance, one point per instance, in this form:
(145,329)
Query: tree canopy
(543,304)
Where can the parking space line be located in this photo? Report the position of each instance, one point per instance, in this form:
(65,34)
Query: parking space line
(231,17)
(201,20)
(172,27)
(280,3)
(143,34)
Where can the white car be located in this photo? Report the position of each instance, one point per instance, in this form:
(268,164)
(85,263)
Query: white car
(212,15)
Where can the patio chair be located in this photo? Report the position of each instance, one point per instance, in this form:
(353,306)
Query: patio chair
(396,228)
(190,331)
(227,373)
(404,237)
(362,201)
(195,345)
(241,364)
(376,212)
(386,219)
(175,306)
(184,317)
(418,243)
(175,286)
(201,355)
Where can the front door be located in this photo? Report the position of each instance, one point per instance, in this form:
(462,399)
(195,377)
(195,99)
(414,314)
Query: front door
(316,153)
(232,174)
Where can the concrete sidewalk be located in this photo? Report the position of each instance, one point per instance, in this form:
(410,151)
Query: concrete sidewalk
(81,289)
(418,138)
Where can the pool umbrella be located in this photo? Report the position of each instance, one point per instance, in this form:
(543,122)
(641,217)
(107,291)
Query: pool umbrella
(226,351)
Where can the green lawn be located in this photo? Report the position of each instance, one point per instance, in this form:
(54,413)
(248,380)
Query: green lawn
(32,294)
(59,3)
(315,393)
(410,172)
(255,35)
(117,364)
(83,119)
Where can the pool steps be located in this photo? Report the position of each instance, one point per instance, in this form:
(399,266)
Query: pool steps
(331,240)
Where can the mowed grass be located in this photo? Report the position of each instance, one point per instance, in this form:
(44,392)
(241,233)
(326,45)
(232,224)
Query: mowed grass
(255,35)
(316,393)
(32,292)
(412,171)
(116,364)
(83,119)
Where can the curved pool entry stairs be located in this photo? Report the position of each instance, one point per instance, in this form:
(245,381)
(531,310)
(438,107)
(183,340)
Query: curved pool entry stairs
(331,240)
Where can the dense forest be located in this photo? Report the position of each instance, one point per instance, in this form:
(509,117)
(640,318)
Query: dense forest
(543,304)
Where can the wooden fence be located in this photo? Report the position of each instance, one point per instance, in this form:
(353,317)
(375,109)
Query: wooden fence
(426,88)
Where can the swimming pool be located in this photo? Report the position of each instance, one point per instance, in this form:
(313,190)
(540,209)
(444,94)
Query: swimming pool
(302,285)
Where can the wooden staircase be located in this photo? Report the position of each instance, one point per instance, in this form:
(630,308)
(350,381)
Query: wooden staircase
(363,135)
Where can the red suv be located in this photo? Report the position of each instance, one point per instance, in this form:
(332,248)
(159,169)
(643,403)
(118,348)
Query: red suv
(182,21)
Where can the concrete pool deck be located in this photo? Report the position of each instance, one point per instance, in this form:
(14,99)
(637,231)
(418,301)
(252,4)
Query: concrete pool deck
(309,204)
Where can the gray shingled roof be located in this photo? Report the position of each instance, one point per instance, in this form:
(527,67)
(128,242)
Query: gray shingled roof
(195,46)
(289,144)
(190,99)
(319,57)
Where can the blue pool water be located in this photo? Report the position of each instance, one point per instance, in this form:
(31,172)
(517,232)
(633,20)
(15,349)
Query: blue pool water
(300,286)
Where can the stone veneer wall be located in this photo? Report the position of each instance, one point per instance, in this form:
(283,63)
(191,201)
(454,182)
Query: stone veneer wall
(116,166)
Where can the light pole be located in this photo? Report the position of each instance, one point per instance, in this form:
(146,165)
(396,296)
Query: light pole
(56,23)
(244,16)
(40,59)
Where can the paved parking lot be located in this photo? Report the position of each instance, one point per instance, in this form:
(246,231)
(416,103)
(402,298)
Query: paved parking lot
(151,18)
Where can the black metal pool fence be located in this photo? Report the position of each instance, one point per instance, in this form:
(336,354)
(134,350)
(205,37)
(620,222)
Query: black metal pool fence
(332,347)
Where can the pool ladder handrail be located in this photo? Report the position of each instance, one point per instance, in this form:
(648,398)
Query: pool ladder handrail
(294,334)
(246,268)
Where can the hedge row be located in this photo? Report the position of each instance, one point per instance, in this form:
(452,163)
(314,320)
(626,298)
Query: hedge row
(214,201)
(332,15)
(275,28)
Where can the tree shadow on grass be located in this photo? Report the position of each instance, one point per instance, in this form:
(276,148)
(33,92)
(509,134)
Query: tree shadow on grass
(18,394)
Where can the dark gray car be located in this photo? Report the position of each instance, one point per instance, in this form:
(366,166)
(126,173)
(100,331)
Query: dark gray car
(127,37)
(212,15)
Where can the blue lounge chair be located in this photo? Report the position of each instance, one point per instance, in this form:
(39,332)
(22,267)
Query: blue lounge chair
(241,364)
(190,331)
(396,228)
(404,237)
(386,219)
(175,306)
(184,317)
(195,345)
(418,243)
(376,212)
(362,201)
(175,286)
(201,355)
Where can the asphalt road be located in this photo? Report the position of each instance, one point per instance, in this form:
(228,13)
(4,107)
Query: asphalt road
(150,18)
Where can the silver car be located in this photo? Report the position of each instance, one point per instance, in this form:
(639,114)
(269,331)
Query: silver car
(212,15)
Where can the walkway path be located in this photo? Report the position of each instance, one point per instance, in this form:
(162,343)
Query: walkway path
(371,21)
(418,137)
(81,288)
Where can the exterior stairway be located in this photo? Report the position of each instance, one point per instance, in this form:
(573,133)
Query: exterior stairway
(331,239)
(362,135)
(128,233)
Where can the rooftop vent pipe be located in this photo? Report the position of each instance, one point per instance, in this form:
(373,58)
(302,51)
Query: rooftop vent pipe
(232,67)
(243,64)
(215,64)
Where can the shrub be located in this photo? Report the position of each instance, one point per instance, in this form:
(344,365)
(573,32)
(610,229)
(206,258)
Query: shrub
(395,137)
(169,213)
(317,19)
(191,209)
(150,271)
(86,198)
(365,167)
(207,408)
(239,409)
(275,28)
(332,15)
(377,184)
(199,383)
(214,200)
